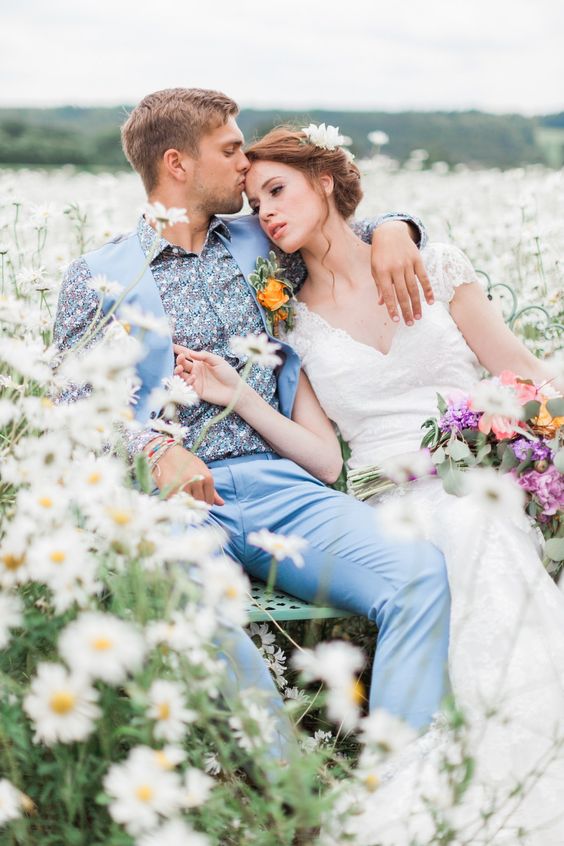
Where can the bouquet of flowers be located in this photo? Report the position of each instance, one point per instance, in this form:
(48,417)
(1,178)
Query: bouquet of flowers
(515,427)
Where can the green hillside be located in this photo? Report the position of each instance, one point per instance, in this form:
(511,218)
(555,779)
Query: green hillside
(90,136)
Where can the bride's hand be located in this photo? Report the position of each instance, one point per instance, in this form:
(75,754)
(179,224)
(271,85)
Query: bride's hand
(213,379)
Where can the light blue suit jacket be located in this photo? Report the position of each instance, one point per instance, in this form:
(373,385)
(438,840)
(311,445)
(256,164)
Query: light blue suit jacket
(121,261)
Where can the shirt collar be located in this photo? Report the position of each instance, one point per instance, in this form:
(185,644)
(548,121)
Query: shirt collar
(147,236)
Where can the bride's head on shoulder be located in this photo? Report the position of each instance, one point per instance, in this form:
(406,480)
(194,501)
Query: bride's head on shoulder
(298,187)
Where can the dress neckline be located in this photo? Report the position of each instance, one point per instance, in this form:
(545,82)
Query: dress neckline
(337,330)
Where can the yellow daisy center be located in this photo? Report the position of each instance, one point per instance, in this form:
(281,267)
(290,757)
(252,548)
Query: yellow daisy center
(62,702)
(122,518)
(46,502)
(144,793)
(357,691)
(164,711)
(94,478)
(46,402)
(372,782)
(12,562)
(102,644)
(232,592)
(162,760)
(57,556)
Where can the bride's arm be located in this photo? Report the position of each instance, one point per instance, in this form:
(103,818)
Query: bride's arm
(308,438)
(494,344)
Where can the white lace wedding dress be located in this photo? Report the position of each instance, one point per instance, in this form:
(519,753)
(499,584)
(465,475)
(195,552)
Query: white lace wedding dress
(506,659)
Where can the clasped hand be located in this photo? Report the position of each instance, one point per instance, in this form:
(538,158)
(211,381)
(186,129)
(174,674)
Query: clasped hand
(213,379)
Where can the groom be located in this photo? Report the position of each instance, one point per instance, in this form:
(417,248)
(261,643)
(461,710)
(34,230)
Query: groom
(186,146)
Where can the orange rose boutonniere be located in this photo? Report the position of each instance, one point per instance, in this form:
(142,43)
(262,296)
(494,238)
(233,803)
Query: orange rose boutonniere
(274,293)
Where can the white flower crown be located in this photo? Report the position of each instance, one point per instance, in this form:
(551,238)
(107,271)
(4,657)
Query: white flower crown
(327,138)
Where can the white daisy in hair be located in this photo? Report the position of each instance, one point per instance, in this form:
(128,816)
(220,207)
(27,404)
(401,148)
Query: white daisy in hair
(61,705)
(280,546)
(101,646)
(326,137)
(167,707)
(11,616)
(173,833)
(141,794)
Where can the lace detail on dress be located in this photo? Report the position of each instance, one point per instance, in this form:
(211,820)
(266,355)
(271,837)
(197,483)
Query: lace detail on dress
(447,267)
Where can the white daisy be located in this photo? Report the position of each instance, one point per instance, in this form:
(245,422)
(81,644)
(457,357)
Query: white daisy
(265,636)
(227,589)
(173,833)
(327,137)
(11,616)
(14,568)
(211,764)
(197,786)
(402,519)
(344,701)
(132,315)
(168,709)
(102,285)
(495,493)
(10,802)
(385,733)
(45,502)
(492,397)
(409,466)
(175,392)
(280,546)
(162,217)
(257,348)
(101,646)
(59,556)
(62,706)
(184,631)
(378,138)
(334,663)
(141,794)
(254,730)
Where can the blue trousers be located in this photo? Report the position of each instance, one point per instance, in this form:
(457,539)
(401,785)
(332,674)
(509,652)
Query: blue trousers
(350,563)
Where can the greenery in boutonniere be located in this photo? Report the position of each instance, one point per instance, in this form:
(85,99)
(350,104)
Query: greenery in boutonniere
(274,293)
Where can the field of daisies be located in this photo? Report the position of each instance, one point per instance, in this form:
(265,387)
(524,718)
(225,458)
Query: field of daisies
(117,727)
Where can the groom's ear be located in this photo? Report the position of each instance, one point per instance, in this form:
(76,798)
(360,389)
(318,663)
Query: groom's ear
(177,164)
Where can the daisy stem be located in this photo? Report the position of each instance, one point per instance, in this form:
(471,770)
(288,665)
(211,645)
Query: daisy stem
(226,411)
(272,576)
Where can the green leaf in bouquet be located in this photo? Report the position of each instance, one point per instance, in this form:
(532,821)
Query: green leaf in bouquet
(432,437)
(554,549)
(508,458)
(556,407)
(484,450)
(441,404)
(458,450)
(559,460)
(531,409)
(438,456)
(472,436)
(452,479)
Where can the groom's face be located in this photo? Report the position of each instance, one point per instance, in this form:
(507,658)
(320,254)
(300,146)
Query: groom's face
(220,169)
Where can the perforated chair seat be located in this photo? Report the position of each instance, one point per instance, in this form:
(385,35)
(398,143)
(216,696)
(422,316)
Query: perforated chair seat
(277,605)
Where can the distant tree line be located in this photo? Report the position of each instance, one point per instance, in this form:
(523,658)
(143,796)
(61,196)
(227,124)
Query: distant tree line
(90,136)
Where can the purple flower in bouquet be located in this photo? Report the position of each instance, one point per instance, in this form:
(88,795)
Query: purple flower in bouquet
(459,415)
(547,488)
(537,450)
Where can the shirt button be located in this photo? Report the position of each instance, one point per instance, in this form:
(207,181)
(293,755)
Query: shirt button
(175,250)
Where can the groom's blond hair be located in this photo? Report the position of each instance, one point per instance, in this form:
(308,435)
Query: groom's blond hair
(174,118)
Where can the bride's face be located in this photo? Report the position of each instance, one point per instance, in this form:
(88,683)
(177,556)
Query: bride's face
(290,210)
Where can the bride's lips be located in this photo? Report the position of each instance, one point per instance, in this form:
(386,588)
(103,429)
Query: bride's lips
(275,230)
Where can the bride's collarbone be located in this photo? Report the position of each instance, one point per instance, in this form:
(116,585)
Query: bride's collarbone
(366,323)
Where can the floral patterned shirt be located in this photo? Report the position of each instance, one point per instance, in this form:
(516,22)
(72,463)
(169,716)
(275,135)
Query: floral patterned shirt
(207,301)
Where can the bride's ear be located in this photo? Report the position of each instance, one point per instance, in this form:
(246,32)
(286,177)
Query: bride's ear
(327,183)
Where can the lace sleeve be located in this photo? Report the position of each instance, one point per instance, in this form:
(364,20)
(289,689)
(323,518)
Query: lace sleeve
(447,267)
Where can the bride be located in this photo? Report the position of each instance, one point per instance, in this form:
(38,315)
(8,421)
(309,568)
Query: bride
(377,380)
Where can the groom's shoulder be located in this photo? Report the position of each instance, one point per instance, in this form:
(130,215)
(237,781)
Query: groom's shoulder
(81,267)
(246,225)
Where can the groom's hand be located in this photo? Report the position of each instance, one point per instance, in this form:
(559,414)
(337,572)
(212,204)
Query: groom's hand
(396,267)
(181,470)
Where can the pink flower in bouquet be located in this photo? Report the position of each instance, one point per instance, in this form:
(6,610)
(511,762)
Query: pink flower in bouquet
(547,488)
(525,392)
(502,427)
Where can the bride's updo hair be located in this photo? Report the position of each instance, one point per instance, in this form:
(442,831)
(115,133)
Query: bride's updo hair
(290,146)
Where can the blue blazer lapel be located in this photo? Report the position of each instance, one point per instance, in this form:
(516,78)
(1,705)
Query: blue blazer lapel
(246,244)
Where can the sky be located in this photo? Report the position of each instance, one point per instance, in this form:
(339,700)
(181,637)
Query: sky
(495,55)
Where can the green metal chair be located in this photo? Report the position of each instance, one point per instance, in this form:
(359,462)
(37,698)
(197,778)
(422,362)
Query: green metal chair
(277,605)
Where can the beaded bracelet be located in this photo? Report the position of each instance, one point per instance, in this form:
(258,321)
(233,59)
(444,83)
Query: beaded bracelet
(157,451)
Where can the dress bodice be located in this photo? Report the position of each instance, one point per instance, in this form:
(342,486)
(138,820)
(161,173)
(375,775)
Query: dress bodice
(377,400)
